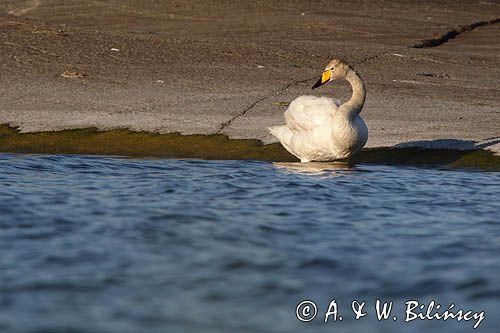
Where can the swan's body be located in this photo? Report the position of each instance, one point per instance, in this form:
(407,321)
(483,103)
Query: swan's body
(320,128)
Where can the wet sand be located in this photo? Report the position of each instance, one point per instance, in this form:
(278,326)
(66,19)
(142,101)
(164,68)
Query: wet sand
(229,67)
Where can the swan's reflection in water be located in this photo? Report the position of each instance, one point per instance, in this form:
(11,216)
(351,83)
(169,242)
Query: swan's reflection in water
(324,169)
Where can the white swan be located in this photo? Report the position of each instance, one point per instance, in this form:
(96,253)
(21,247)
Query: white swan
(319,128)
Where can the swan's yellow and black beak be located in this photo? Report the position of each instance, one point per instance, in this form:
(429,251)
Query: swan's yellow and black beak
(325,77)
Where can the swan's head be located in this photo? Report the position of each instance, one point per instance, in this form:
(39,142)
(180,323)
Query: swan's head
(336,69)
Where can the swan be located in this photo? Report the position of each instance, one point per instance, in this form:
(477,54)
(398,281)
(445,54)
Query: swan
(321,128)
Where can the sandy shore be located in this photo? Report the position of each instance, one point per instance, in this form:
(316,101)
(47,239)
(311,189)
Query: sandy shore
(229,66)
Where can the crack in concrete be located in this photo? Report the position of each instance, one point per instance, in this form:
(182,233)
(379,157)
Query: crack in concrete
(375,56)
(254,104)
(33,4)
(433,42)
(227,123)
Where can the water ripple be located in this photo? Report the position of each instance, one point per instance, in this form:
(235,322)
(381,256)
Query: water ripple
(129,245)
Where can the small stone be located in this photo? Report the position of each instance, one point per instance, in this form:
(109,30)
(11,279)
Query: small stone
(72,75)
(281,103)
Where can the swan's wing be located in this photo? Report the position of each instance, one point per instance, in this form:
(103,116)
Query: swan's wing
(307,112)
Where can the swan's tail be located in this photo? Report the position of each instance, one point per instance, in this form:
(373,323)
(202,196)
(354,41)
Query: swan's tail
(286,135)
(283,133)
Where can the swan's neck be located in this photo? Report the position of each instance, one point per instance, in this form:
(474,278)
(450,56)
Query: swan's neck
(355,104)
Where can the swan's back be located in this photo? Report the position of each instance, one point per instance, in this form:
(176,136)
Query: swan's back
(307,112)
(308,121)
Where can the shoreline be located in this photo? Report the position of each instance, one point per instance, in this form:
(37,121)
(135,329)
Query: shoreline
(123,142)
(231,67)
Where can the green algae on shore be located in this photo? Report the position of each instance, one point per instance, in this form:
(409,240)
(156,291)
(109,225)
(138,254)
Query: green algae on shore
(142,144)
(124,142)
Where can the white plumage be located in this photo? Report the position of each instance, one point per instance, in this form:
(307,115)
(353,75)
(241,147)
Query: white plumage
(320,128)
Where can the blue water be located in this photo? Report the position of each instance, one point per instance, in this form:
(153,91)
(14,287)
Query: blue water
(101,244)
